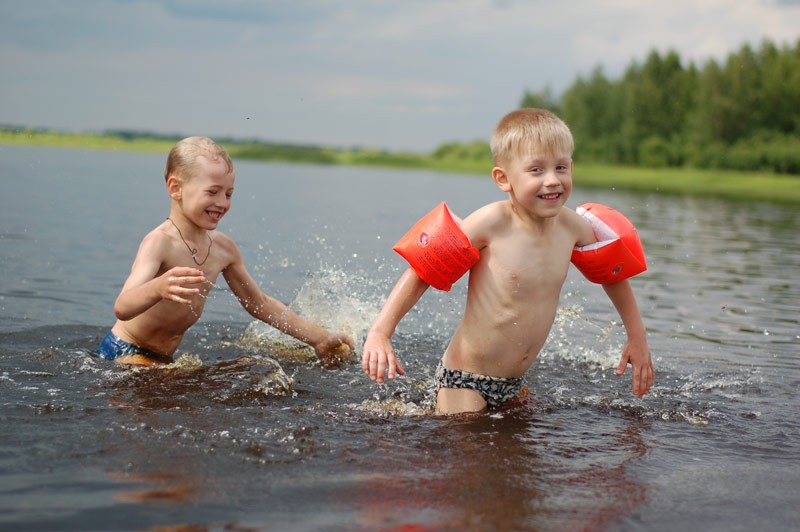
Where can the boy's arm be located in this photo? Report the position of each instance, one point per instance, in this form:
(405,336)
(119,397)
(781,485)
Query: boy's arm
(144,288)
(636,351)
(327,345)
(379,356)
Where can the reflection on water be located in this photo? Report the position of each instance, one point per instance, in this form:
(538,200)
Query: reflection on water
(248,430)
(507,471)
(156,487)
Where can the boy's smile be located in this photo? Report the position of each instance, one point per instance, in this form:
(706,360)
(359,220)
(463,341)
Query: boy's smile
(548,197)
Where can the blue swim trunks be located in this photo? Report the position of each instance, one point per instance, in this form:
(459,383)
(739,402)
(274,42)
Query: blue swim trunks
(113,347)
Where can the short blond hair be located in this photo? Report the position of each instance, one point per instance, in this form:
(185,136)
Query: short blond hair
(528,129)
(182,158)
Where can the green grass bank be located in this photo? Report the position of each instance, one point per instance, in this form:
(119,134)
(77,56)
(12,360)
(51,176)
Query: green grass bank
(740,186)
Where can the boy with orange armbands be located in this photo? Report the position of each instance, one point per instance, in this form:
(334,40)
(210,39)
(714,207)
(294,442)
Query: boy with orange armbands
(517,251)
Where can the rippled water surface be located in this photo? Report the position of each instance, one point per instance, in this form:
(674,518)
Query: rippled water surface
(247,432)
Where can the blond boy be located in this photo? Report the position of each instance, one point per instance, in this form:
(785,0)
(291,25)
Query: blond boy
(179,262)
(525,244)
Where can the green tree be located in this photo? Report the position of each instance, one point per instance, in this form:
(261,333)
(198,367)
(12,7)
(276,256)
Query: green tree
(592,108)
(741,113)
(541,100)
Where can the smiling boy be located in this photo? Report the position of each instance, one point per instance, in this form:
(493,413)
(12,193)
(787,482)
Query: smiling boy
(525,244)
(179,261)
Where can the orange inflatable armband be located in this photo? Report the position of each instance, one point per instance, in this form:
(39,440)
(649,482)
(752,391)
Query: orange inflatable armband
(438,249)
(618,252)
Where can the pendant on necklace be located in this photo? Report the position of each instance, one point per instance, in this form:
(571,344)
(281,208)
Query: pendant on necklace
(192,250)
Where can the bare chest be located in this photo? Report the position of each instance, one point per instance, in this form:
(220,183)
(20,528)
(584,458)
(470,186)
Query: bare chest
(530,266)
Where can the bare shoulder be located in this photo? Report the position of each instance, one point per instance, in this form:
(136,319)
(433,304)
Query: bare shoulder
(570,217)
(486,221)
(226,248)
(492,210)
(577,226)
(156,243)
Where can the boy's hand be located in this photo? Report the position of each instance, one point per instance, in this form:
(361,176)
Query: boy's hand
(172,284)
(637,354)
(335,350)
(379,356)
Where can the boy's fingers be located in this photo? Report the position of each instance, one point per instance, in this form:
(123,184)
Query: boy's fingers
(650,378)
(623,364)
(643,380)
(181,300)
(381,369)
(182,280)
(183,271)
(373,367)
(379,366)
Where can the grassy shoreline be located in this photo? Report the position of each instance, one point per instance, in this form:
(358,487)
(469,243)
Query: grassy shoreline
(741,186)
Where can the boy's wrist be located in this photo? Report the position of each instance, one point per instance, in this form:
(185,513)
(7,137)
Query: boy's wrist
(379,332)
(636,330)
(637,337)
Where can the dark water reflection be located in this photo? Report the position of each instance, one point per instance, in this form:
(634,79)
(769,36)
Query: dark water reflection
(501,473)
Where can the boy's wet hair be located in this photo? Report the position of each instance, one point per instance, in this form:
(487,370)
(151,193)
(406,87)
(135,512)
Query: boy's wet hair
(182,158)
(525,130)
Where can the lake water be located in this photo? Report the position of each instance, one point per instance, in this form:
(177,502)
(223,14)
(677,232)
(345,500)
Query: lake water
(247,432)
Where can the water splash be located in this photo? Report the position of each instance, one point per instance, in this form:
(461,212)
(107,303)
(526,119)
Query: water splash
(336,300)
(577,339)
(393,407)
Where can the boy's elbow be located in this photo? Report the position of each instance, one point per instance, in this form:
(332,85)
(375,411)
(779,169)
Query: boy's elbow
(120,312)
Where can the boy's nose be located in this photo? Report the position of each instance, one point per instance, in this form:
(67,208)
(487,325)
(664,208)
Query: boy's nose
(551,179)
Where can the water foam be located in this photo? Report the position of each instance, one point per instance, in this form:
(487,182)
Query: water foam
(336,300)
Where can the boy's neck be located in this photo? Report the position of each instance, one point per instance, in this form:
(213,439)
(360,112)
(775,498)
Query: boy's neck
(188,230)
(535,223)
(189,242)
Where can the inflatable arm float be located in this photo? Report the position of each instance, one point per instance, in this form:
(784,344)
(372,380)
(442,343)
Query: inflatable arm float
(618,252)
(438,249)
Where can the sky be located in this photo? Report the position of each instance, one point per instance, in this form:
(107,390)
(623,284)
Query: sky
(397,75)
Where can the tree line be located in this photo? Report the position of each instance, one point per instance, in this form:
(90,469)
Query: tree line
(740,114)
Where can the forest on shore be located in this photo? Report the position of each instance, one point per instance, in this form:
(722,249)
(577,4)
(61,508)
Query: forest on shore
(740,114)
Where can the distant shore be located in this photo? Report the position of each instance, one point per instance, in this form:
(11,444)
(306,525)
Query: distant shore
(742,186)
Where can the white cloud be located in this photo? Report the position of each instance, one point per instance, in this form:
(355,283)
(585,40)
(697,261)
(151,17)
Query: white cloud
(403,75)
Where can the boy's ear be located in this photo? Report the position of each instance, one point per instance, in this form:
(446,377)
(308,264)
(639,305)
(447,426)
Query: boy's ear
(501,179)
(174,187)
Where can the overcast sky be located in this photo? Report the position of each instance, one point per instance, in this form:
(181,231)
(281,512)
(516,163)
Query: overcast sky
(402,75)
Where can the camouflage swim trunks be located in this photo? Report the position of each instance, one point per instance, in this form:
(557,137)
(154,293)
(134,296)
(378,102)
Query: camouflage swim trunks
(494,390)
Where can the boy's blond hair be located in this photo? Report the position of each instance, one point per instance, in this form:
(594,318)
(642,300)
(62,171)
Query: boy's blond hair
(526,130)
(181,161)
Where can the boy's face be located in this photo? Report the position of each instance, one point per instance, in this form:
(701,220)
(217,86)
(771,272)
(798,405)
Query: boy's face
(538,181)
(206,196)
